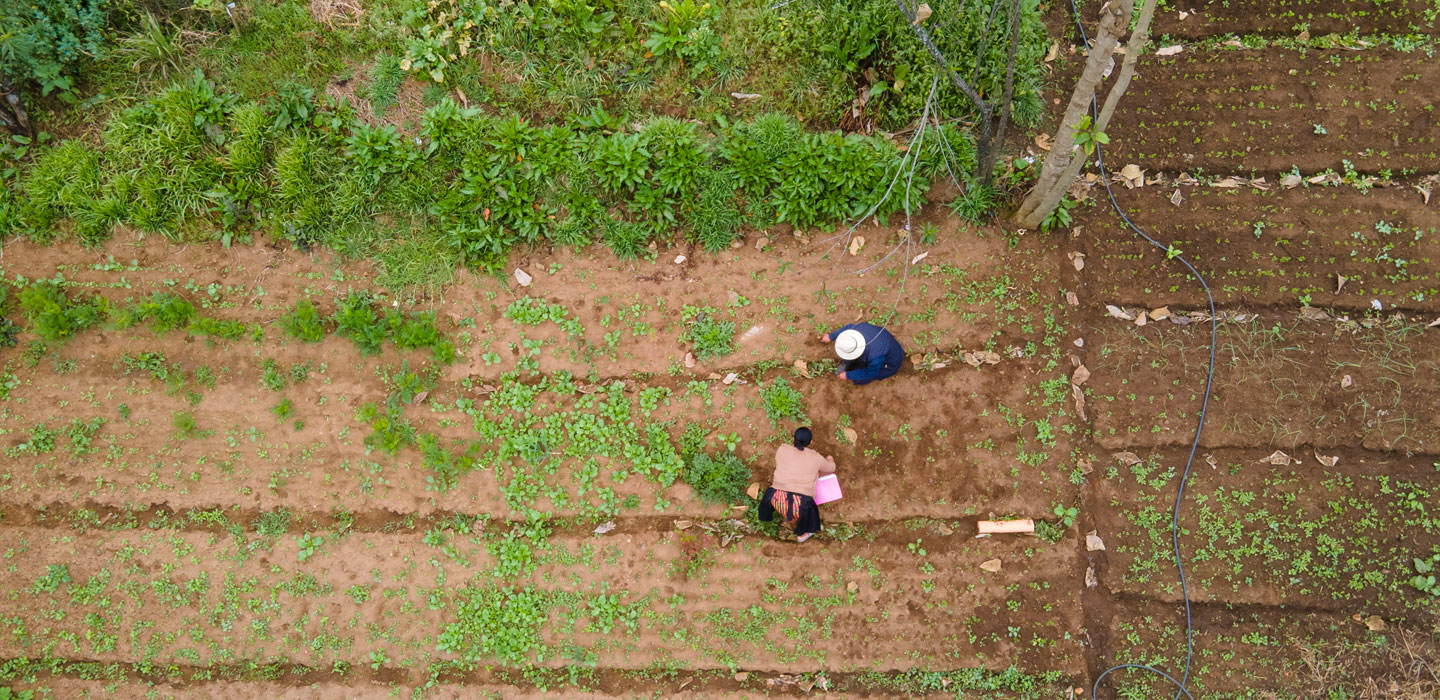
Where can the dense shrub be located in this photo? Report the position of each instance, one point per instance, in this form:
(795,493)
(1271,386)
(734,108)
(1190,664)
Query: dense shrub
(313,174)
(46,42)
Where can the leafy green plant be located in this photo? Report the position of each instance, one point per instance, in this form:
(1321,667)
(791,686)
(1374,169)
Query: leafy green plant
(47,42)
(717,479)
(309,544)
(55,316)
(184,424)
(782,402)
(55,576)
(304,322)
(503,623)
(1424,579)
(1088,137)
(709,336)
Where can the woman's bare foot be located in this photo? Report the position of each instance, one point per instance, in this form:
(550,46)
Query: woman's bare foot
(804,537)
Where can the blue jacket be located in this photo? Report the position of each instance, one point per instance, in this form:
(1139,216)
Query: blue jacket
(882,357)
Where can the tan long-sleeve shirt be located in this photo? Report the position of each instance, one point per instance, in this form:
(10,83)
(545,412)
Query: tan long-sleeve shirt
(796,470)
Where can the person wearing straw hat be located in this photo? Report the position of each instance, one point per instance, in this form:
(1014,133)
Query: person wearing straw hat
(870,353)
(792,490)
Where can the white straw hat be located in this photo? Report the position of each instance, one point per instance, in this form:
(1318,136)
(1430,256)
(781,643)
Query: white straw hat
(850,344)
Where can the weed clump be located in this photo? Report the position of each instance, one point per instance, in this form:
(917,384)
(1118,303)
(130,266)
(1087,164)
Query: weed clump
(304,322)
(709,336)
(782,402)
(55,316)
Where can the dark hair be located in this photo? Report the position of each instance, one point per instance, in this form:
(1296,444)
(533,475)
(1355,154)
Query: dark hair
(803,437)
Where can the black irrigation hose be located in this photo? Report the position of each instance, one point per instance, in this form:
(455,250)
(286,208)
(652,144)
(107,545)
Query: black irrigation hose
(1194,445)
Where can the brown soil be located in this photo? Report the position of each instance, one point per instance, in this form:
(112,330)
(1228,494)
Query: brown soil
(1308,238)
(1211,18)
(1256,111)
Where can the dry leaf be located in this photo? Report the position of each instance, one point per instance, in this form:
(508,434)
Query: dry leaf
(761,242)
(1119,313)
(1079,342)
(856,244)
(1169,50)
(1434,323)
(1080,376)
(1093,543)
(1078,395)
(851,435)
(523,278)
(1161,313)
(1053,53)
(1340,281)
(1175,198)
(1310,313)
(684,524)
(730,378)
(1091,580)
(1228,183)
(679,260)
(1085,466)
(919,257)
(922,12)
(754,490)
(604,527)
(1424,191)
(1128,459)
(1142,318)
(803,368)
(1279,459)
(852,587)
(1375,623)
(1346,381)
(990,357)
(419,398)
(1327,460)
(1078,259)
(744,95)
(741,676)
(991,565)
(1132,174)
(1043,141)
(1210,460)
(1072,299)
(1291,181)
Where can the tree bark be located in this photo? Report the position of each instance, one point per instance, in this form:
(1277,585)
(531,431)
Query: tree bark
(1062,164)
(986,165)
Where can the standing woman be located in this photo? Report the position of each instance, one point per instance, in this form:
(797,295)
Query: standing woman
(792,491)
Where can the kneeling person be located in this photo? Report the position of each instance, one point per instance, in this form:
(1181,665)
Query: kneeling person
(792,490)
(870,353)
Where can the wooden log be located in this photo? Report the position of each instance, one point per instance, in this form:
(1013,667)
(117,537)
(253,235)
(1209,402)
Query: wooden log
(996,527)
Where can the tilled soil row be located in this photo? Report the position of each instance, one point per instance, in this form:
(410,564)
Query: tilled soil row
(631,312)
(1210,18)
(1265,111)
(951,461)
(1279,383)
(1298,536)
(1262,248)
(592,684)
(183,597)
(1241,650)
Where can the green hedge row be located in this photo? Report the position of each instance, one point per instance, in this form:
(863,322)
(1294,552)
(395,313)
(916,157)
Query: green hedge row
(191,162)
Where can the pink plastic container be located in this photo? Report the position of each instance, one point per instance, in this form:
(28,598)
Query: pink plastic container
(827,489)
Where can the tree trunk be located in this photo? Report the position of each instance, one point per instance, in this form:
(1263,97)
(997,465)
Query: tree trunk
(988,156)
(1062,164)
